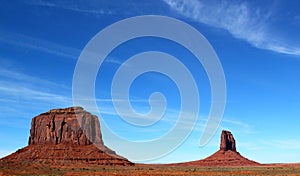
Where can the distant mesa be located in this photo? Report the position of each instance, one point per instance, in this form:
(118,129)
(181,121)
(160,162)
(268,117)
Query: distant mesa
(226,156)
(57,139)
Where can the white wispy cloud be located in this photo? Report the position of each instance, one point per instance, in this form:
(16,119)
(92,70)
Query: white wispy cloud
(19,90)
(16,85)
(14,75)
(250,146)
(236,123)
(16,91)
(240,19)
(170,117)
(75,7)
(28,42)
(282,143)
(45,46)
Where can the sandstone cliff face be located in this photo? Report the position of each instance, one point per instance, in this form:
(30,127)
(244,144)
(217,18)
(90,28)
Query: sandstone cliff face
(227,141)
(62,126)
(57,139)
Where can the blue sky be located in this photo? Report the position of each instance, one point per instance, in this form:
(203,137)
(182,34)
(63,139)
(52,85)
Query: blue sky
(257,42)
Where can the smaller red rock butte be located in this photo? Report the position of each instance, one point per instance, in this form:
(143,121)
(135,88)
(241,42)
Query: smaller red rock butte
(227,141)
(226,156)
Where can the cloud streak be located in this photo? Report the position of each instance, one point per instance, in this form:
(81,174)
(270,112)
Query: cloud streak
(19,76)
(24,41)
(240,19)
(74,7)
(283,143)
(15,90)
(20,90)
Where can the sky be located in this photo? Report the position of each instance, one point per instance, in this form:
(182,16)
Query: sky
(257,42)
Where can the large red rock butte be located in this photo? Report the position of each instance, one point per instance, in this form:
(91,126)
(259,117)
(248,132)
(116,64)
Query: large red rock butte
(225,156)
(65,137)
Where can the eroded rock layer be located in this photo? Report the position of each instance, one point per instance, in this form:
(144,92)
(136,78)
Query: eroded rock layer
(63,126)
(65,137)
(227,141)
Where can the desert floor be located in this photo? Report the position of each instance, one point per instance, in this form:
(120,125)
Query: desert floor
(154,170)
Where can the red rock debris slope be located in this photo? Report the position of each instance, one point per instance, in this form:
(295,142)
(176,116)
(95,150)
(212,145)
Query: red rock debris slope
(226,156)
(56,139)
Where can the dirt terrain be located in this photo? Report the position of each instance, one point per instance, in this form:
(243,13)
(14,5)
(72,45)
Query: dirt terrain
(153,170)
